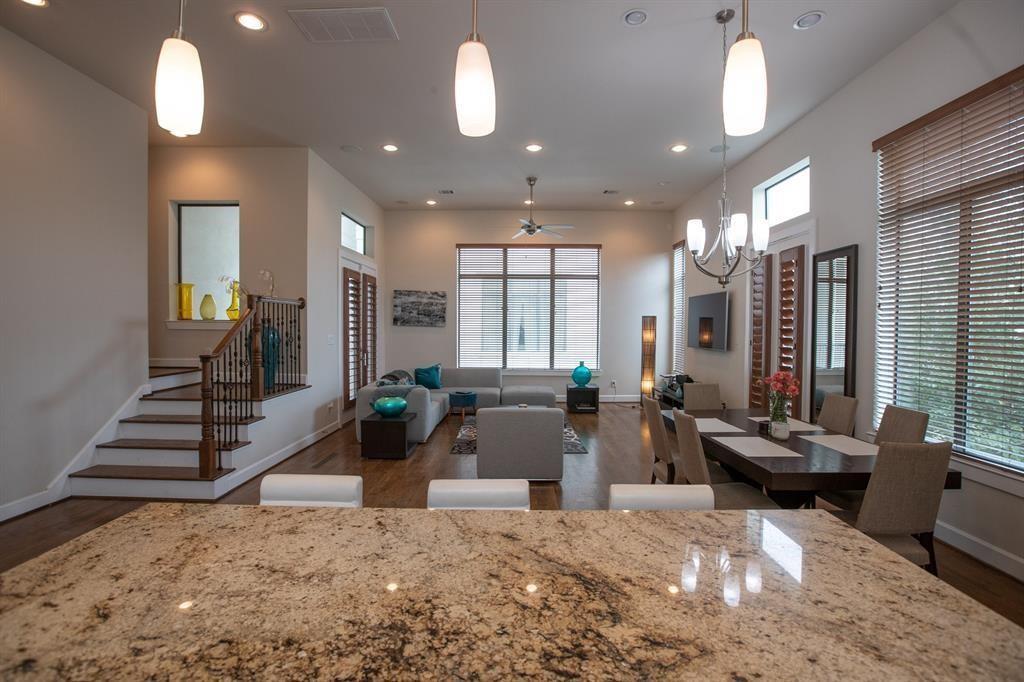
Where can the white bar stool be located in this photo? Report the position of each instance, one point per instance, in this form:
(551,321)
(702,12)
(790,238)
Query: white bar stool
(311,490)
(494,493)
(641,496)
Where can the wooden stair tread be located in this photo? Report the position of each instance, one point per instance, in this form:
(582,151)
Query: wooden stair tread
(179,419)
(162,444)
(144,472)
(155,372)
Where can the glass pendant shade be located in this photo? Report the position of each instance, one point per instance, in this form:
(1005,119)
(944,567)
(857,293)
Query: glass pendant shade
(474,90)
(738,230)
(695,235)
(179,88)
(745,89)
(760,236)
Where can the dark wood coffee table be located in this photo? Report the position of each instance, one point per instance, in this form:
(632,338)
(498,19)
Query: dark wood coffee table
(387,437)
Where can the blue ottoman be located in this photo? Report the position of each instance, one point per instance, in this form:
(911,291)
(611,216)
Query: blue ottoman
(462,400)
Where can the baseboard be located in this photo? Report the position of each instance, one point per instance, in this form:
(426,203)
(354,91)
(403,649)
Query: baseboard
(225,484)
(983,551)
(59,488)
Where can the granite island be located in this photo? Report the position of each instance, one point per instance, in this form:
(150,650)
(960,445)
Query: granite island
(219,591)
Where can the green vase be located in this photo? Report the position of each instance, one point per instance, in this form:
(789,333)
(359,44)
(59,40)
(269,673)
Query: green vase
(389,406)
(208,308)
(581,375)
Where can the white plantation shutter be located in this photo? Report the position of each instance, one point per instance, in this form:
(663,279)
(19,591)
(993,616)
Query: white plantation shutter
(522,307)
(950,318)
(679,308)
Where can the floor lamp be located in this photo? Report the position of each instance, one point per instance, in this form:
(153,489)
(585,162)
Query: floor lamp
(648,338)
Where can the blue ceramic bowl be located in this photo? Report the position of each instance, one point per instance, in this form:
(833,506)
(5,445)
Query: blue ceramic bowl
(389,406)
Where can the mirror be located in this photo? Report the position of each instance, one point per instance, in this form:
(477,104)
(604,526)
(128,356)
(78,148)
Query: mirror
(834,329)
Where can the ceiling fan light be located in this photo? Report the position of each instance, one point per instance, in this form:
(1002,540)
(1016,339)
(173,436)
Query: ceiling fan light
(179,88)
(738,230)
(745,88)
(474,90)
(695,235)
(760,236)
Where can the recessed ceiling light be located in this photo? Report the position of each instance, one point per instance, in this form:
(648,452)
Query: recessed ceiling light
(389,148)
(629,202)
(678,148)
(37,3)
(251,21)
(808,20)
(431,202)
(528,202)
(634,17)
(534,147)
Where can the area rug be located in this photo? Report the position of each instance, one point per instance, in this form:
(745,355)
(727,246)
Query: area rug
(465,442)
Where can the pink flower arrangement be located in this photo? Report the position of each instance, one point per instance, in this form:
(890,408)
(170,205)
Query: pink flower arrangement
(783,384)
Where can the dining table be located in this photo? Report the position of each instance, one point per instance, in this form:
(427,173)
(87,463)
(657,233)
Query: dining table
(791,471)
(216,591)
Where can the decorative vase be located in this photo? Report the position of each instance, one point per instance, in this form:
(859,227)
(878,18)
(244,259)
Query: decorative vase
(208,308)
(389,406)
(779,430)
(232,310)
(581,375)
(778,427)
(185,300)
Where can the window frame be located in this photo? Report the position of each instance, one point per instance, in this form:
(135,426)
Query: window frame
(504,277)
(760,193)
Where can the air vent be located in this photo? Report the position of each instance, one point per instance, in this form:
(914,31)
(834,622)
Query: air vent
(344,24)
(446,191)
(609,192)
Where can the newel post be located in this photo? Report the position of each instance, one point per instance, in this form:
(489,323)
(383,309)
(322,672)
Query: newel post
(256,387)
(208,442)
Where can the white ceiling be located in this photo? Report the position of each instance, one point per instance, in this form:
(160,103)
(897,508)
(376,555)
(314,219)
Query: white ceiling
(606,100)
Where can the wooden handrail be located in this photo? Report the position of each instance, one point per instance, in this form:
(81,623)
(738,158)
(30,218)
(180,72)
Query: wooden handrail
(232,333)
(301,302)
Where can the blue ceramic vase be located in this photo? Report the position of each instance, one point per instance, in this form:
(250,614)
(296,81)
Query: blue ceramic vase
(389,406)
(581,375)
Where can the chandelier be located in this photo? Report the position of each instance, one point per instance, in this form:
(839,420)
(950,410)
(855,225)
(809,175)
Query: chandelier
(732,227)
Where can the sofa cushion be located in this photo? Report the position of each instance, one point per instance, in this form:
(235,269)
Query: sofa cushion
(485,396)
(429,376)
(528,395)
(471,376)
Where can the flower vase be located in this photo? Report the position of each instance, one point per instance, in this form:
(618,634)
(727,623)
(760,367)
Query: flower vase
(232,310)
(208,308)
(185,300)
(778,427)
(582,375)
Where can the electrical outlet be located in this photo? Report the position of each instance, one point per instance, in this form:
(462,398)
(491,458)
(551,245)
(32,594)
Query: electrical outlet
(613,383)
(330,339)
(330,406)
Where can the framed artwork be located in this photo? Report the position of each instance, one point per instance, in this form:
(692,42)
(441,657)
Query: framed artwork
(411,308)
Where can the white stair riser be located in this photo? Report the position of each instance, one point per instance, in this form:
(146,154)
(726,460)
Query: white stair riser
(175,380)
(171,431)
(170,407)
(146,488)
(147,457)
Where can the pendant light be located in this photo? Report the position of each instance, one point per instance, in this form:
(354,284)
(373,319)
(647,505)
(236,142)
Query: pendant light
(745,88)
(474,86)
(179,84)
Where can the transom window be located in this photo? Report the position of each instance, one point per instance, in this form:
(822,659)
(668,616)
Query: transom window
(784,196)
(353,234)
(523,307)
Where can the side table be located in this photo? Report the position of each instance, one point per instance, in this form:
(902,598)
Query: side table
(387,437)
(582,398)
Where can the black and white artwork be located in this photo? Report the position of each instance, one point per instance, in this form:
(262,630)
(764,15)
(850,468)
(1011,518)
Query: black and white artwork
(419,308)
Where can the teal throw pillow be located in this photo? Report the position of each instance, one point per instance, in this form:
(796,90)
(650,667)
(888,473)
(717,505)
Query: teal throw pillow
(429,376)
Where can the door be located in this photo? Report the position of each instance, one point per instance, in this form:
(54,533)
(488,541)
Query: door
(359,332)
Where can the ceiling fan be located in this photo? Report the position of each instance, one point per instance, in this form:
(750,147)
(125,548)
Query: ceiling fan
(530,228)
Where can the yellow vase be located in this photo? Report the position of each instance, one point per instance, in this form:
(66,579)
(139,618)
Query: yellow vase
(208,308)
(232,310)
(185,301)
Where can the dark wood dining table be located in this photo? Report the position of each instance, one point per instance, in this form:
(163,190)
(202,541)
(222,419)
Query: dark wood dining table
(791,482)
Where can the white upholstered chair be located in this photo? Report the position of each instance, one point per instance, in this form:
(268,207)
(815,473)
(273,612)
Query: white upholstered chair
(311,490)
(643,496)
(698,396)
(493,493)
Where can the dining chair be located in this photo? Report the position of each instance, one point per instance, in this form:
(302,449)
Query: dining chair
(902,499)
(698,396)
(733,495)
(511,494)
(838,413)
(898,425)
(311,490)
(665,467)
(641,496)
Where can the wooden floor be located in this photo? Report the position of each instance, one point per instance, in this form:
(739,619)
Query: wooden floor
(618,447)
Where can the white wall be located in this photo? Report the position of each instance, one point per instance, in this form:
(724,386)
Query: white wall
(636,260)
(971,44)
(72,263)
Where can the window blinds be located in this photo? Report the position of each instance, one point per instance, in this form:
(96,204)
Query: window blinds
(830,323)
(950,271)
(528,307)
(679,308)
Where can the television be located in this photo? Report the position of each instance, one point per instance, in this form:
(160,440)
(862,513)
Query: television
(707,322)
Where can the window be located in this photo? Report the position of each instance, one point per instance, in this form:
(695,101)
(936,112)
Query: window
(528,307)
(207,251)
(678,308)
(353,234)
(785,195)
(830,331)
(950,271)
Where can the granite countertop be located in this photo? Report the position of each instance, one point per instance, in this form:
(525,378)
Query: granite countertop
(207,591)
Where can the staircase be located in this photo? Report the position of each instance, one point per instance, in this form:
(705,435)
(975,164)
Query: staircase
(195,424)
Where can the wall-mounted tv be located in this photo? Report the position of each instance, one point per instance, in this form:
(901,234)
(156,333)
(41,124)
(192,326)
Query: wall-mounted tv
(707,322)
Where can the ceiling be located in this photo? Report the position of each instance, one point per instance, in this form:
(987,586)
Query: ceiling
(605,99)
